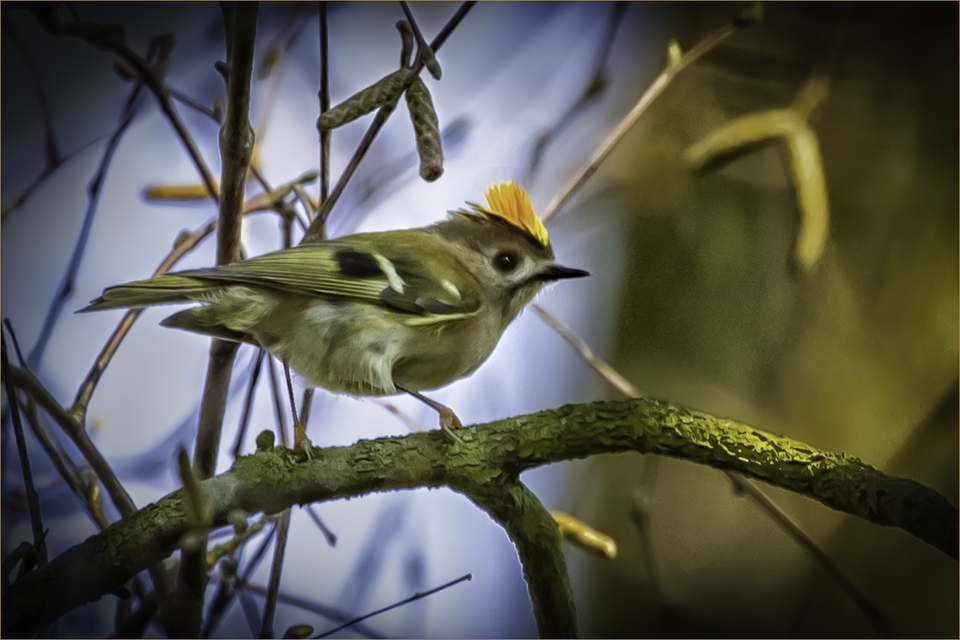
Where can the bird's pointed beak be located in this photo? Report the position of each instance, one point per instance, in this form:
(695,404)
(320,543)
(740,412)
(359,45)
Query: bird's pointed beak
(557,272)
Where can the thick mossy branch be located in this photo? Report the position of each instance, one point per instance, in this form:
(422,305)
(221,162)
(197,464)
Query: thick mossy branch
(488,461)
(537,538)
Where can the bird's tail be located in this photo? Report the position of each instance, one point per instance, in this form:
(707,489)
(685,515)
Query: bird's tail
(169,289)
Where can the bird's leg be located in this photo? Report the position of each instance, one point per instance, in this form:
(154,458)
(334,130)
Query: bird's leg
(300,439)
(448,419)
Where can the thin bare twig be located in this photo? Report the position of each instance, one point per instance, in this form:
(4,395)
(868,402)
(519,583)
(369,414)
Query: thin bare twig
(185,244)
(876,616)
(416,596)
(274,199)
(66,469)
(595,86)
(258,555)
(609,373)
(329,535)
(239,539)
(74,429)
(65,290)
(309,204)
(652,93)
(248,403)
(273,587)
(324,96)
(251,612)
(412,424)
(136,623)
(273,64)
(48,171)
(193,104)
(54,159)
(330,613)
(53,156)
(218,606)
(62,462)
(33,499)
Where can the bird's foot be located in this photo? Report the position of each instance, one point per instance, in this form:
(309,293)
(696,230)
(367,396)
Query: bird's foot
(300,439)
(449,421)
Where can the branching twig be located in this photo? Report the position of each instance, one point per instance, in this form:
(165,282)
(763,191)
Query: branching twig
(111,38)
(74,429)
(253,616)
(68,422)
(230,547)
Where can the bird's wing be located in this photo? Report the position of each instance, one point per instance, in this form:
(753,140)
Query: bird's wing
(395,274)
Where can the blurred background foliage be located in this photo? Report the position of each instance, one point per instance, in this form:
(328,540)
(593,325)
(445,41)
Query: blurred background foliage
(859,356)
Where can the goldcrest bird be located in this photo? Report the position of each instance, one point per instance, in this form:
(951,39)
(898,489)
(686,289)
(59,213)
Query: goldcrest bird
(373,314)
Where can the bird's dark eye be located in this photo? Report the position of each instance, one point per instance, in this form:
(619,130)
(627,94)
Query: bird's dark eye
(506,261)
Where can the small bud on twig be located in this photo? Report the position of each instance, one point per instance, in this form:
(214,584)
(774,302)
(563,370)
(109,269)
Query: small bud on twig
(298,631)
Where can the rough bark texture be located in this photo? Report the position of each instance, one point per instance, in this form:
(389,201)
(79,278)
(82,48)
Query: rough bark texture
(485,467)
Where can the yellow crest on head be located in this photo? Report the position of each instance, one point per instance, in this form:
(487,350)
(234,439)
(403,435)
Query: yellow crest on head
(511,202)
